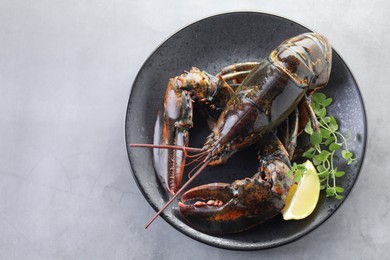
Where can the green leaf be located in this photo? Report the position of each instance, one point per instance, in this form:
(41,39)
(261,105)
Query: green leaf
(339,197)
(339,189)
(333,120)
(339,174)
(323,156)
(309,153)
(321,168)
(315,105)
(330,192)
(311,150)
(327,102)
(326,119)
(322,112)
(350,160)
(315,138)
(346,154)
(308,128)
(324,174)
(330,140)
(316,161)
(294,167)
(325,132)
(297,177)
(334,147)
(333,126)
(319,97)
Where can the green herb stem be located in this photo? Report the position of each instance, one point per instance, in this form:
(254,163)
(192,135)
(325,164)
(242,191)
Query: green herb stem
(325,144)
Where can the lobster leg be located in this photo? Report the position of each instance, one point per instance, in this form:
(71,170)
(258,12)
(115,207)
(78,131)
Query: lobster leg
(221,208)
(291,135)
(297,121)
(245,66)
(307,101)
(237,72)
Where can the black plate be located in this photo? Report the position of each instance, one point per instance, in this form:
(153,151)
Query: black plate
(211,44)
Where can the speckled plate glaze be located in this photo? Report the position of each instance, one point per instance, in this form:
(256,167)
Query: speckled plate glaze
(212,44)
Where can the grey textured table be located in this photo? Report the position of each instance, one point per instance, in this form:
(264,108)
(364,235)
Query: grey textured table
(66,69)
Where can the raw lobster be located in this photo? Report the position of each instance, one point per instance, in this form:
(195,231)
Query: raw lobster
(270,91)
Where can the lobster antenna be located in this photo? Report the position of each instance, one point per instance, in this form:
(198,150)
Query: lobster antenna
(205,163)
(175,147)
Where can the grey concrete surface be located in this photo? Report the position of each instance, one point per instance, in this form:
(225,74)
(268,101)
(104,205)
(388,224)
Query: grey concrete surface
(66,69)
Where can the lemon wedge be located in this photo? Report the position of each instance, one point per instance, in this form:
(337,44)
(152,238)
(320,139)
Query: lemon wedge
(302,198)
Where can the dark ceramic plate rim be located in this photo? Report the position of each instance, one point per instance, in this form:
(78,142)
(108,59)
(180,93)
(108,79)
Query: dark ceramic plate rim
(287,240)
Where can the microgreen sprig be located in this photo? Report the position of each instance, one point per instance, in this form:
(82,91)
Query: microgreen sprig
(325,144)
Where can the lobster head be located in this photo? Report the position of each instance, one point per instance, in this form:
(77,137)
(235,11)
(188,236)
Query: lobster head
(306,58)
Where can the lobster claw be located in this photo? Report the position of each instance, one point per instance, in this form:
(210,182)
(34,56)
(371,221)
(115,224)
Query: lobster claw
(175,120)
(172,128)
(222,208)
